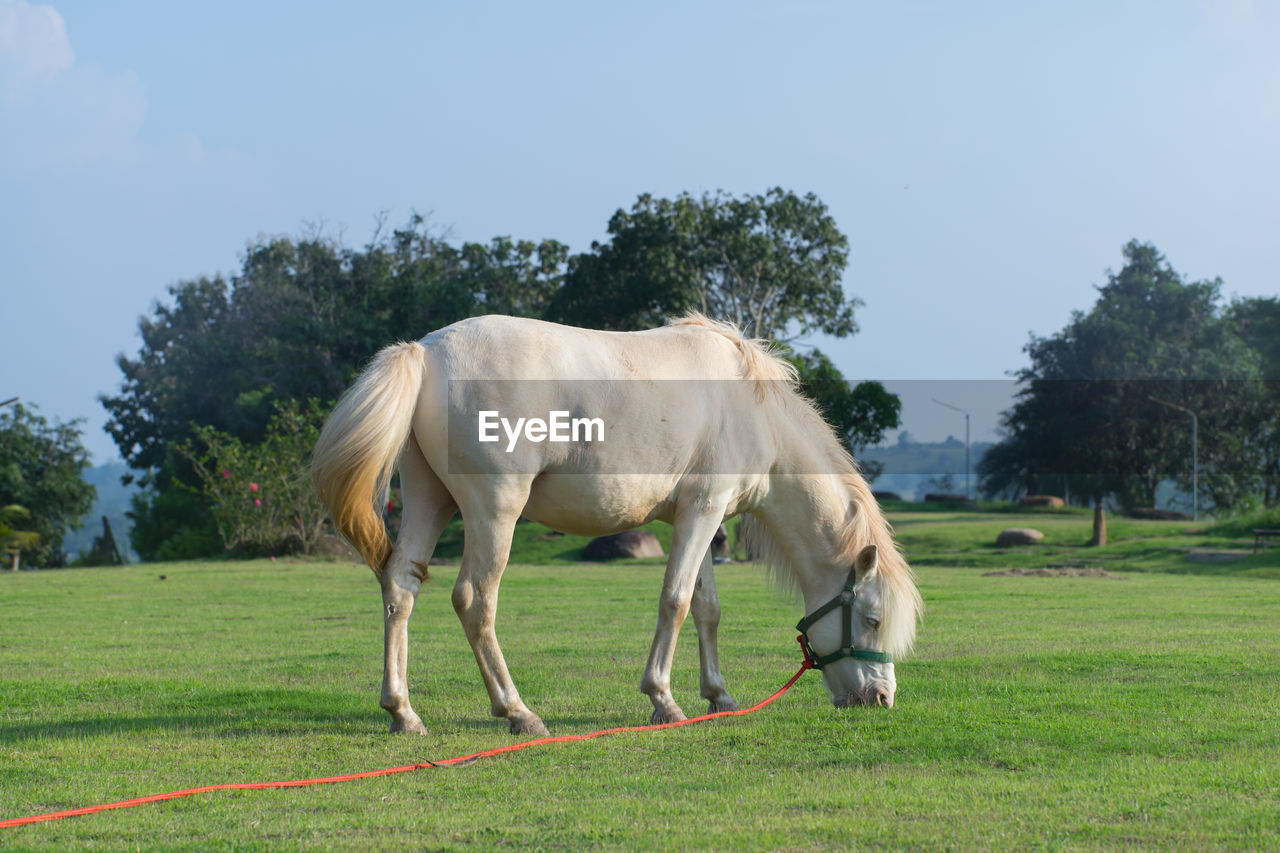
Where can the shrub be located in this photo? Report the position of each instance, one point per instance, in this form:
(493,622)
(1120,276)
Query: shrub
(1246,519)
(261,496)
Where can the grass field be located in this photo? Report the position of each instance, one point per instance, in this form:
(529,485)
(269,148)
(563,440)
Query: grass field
(1055,713)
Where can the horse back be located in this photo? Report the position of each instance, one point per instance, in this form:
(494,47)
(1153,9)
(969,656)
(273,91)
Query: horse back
(670,404)
(498,347)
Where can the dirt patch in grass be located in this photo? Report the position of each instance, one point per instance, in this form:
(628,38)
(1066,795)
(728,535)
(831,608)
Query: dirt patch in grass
(1087,572)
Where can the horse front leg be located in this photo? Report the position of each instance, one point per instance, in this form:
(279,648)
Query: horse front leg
(706,618)
(475,599)
(690,537)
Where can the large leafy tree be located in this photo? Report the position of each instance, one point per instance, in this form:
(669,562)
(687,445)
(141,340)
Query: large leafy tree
(297,322)
(1084,412)
(41,467)
(771,264)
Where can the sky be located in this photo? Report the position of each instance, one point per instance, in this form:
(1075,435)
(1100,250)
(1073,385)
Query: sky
(987,160)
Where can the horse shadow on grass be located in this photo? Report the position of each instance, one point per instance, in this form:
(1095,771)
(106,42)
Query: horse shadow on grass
(242,713)
(225,713)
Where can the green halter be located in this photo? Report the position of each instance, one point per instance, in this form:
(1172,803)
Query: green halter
(847,650)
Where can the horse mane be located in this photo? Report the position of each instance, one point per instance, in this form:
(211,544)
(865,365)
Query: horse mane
(759,362)
(894,578)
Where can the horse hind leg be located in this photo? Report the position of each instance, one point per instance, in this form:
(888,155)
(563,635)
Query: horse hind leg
(428,507)
(706,618)
(487,546)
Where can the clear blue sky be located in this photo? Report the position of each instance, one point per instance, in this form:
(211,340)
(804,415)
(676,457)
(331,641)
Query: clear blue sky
(986,159)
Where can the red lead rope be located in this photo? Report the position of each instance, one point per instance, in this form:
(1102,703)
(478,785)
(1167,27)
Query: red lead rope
(444,762)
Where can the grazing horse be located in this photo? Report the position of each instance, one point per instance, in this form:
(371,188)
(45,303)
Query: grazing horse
(697,423)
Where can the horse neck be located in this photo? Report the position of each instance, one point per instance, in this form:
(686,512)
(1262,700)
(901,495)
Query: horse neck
(806,514)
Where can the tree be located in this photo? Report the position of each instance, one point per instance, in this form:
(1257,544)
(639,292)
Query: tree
(1084,409)
(517,278)
(1257,320)
(170,518)
(40,470)
(1059,432)
(297,322)
(771,264)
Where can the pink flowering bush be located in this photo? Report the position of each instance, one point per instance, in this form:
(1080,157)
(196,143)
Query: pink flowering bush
(261,494)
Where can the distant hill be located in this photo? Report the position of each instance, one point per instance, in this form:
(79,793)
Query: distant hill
(113,502)
(912,468)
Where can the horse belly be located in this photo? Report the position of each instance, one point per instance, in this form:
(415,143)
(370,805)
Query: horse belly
(598,506)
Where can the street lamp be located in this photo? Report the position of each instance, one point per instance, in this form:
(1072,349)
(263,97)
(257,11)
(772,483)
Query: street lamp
(967,490)
(1195,467)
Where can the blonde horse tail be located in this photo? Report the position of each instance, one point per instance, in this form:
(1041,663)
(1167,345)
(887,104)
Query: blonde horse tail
(360,445)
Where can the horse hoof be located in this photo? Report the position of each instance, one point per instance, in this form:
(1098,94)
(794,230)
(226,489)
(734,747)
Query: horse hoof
(672,715)
(718,705)
(528,723)
(413,725)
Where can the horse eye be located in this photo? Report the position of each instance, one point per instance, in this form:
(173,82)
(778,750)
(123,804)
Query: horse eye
(873,624)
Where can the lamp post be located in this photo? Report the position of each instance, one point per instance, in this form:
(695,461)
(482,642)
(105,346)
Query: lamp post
(1195,465)
(967,489)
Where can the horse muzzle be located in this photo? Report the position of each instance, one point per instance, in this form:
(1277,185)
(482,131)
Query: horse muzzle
(875,696)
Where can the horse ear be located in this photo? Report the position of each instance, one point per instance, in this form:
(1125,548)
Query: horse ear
(865,563)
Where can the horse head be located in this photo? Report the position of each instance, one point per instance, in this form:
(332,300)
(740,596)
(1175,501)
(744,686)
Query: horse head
(844,637)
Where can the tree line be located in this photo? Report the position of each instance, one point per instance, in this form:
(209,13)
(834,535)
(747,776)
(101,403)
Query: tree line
(223,359)
(235,374)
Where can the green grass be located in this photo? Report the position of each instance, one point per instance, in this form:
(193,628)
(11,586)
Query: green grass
(1047,713)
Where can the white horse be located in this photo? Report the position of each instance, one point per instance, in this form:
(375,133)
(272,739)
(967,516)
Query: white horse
(691,453)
